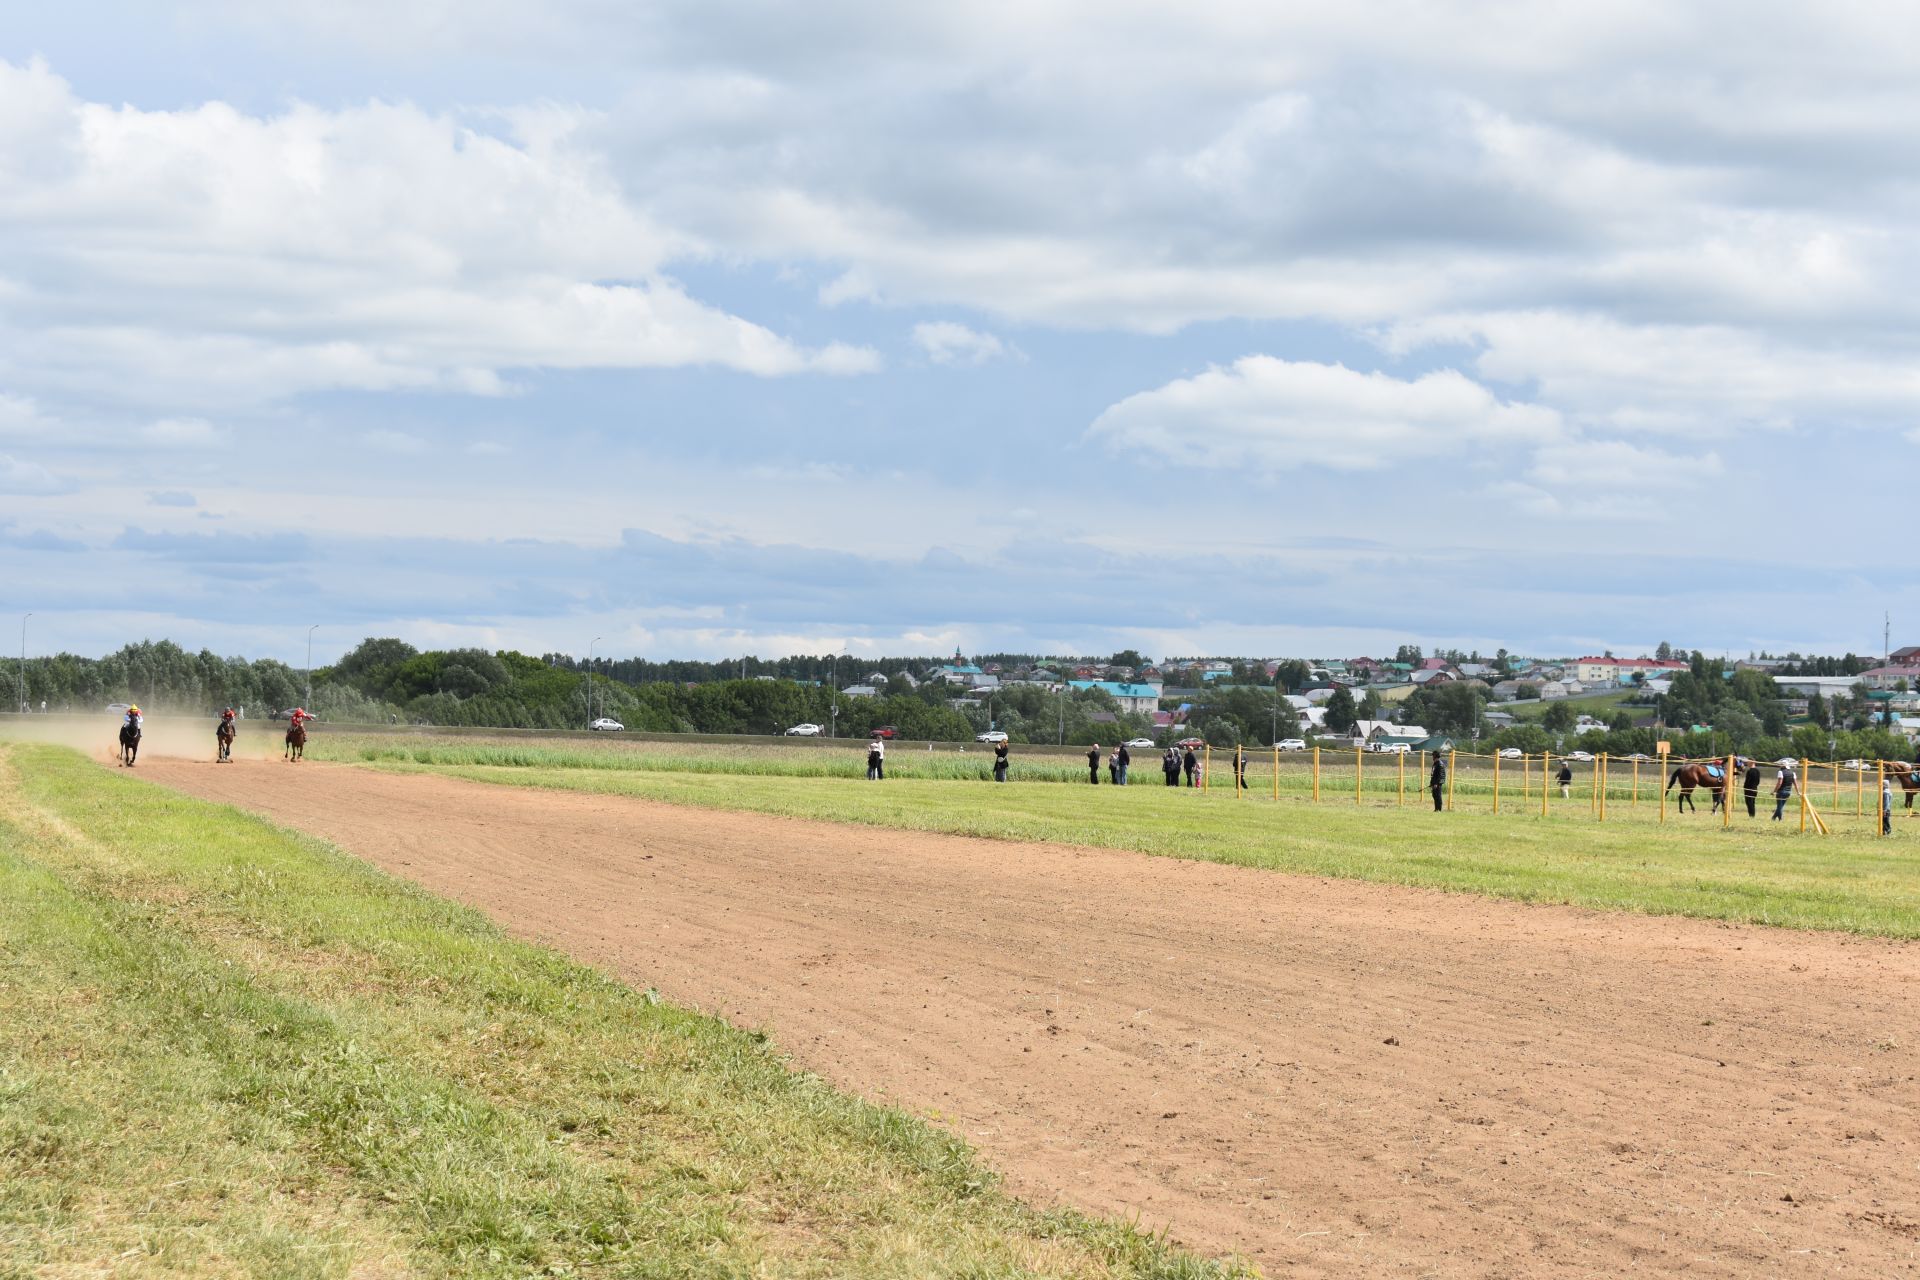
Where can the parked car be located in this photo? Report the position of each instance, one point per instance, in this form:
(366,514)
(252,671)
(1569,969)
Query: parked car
(119,708)
(1195,743)
(1858,766)
(1638,755)
(1511,753)
(991,735)
(1292,744)
(884,731)
(805,731)
(607,724)
(1390,748)
(1582,756)
(1141,742)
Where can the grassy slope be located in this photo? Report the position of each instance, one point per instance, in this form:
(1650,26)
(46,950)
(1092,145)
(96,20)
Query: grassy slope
(229,1050)
(1757,872)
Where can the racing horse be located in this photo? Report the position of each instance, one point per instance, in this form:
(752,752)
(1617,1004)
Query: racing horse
(296,741)
(129,743)
(1710,776)
(223,736)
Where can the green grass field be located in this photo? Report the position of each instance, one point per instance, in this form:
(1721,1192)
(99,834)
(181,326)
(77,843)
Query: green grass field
(1758,871)
(229,1050)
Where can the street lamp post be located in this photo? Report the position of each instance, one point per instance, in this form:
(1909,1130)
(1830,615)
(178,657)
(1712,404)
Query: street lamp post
(596,640)
(310,631)
(23,661)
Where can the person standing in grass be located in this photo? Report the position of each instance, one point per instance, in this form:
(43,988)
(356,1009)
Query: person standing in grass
(1191,764)
(1750,785)
(1783,783)
(1240,767)
(876,761)
(1093,764)
(1170,766)
(1000,762)
(1113,766)
(1566,780)
(1125,758)
(1437,781)
(1886,806)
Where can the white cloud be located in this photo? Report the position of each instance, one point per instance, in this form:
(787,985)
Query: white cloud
(182,433)
(947,342)
(21,417)
(1276,415)
(395,442)
(18,476)
(209,255)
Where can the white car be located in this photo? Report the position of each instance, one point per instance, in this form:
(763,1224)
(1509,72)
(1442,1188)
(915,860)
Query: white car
(1582,756)
(607,724)
(1140,742)
(1292,744)
(991,735)
(1858,766)
(1390,748)
(1511,753)
(805,731)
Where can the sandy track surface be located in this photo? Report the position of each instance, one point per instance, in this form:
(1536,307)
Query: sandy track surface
(1332,1078)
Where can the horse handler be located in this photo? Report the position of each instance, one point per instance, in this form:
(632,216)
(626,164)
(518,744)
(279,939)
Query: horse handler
(1437,782)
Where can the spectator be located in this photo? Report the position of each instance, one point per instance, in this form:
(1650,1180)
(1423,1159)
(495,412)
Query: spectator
(1437,781)
(1000,762)
(1093,764)
(1783,783)
(876,761)
(1750,784)
(1191,763)
(1126,762)
(1113,766)
(1170,765)
(1240,768)
(1566,780)
(1886,806)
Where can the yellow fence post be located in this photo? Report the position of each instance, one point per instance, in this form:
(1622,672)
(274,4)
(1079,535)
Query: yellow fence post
(1546,779)
(1316,773)
(1496,782)
(1663,789)
(1276,771)
(1726,790)
(1593,804)
(1453,764)
(1803,795)
(1206,769)
(1358,766)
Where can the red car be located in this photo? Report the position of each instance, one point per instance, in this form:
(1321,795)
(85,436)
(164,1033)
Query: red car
(1195,743)
(884,731)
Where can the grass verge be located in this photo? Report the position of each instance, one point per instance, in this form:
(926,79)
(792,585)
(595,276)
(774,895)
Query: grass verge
(226,1049)
(1758,872)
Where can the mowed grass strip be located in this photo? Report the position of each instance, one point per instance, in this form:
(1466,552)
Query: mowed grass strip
(1759,872)
(226,1049)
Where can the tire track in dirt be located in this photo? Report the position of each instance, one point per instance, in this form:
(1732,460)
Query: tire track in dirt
(1337,1079)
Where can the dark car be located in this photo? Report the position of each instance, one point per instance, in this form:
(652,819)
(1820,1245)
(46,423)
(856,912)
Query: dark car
(884,731)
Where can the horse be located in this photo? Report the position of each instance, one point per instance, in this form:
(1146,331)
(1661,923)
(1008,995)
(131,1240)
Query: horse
(296,741)
(1907,774)
(1711,776)
(223,735)
(129,743)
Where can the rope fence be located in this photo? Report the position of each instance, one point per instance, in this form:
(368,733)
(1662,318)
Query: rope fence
(1825,795)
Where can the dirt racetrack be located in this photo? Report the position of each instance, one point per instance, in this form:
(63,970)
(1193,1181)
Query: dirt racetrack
(1333,1078)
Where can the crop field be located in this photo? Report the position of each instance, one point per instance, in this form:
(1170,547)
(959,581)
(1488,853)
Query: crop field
(1755,870)
(227,1049)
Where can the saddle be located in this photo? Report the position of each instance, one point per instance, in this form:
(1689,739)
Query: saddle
(1715,772)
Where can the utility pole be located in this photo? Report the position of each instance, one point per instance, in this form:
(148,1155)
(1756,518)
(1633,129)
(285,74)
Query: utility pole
(310,631)
(596,640)
(23,661)
(1886,636)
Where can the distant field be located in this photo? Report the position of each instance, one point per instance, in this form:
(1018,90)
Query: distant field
(1758,871)
(229,1050)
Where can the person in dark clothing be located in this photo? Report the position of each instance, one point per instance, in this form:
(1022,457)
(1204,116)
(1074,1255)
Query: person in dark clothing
(1240,767)
(1566,780)
(1126,762)
(1750,784)
(876,761)
(1170,765)
(1191,763)
(1782,791)
(1437,782)
(1093,765)
(1113,766)
(1000,762)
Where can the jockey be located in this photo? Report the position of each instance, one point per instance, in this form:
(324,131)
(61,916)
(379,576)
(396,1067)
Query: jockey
(226,717)
(133,716)
(299,716)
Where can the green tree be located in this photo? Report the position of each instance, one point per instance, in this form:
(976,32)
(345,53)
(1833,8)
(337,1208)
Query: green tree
(1558,718)
(1341,711)
(1370,705)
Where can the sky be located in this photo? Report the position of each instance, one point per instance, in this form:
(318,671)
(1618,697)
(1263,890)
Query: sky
(698,329)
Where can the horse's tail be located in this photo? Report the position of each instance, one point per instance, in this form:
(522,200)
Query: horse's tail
(1675,778)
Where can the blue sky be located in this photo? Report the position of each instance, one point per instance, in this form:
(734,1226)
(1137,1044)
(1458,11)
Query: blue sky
(748,327)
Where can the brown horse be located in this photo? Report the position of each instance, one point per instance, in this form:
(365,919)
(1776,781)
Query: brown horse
(223,736)
(1708,775)
(129,743)
(1907,774)
(296,742)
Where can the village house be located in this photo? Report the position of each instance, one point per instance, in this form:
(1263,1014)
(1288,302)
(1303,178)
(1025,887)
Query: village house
(1141,698)
(1605,671)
